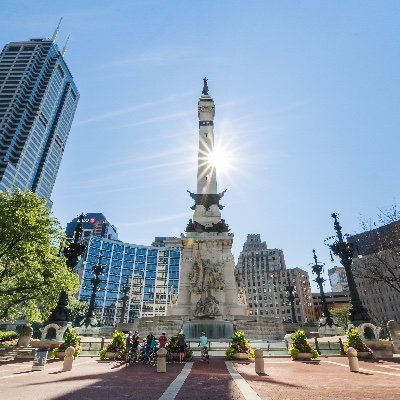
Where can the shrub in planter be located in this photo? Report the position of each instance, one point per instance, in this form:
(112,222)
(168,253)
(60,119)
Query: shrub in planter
(118,343)
(301,345)
(239,345)
(71,338)
(8,336)
(189,354)
(354,340)
(102,354)
(54,353)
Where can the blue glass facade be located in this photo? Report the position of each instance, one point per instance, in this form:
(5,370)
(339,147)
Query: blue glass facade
(150,271)
(38,99)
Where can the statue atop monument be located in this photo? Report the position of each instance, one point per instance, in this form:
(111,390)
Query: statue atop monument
(205,87)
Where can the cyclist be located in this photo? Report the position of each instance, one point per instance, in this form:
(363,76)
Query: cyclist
(203,346)
(135,341)
(150,337)
(162,340)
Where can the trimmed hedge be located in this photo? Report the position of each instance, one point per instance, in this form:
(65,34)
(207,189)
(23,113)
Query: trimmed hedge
(7,335)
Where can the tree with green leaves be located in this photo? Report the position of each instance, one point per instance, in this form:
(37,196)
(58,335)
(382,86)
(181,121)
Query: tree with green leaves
(340,315)
(32,274)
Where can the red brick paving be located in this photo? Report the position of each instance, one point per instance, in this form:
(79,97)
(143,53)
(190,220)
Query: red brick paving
(89,379)
(293,380)
(286,380)
(209,381)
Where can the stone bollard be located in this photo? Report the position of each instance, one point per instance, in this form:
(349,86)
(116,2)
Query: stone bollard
(68,359)
(162,360)
(353,360)
(259,364)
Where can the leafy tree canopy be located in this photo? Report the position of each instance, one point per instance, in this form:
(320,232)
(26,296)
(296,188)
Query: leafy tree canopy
(340,315)
(32,274)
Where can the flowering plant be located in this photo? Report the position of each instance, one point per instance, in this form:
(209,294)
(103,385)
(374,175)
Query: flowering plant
(239,345)
(354,340)
(118,342)
(300,345)
(71,338)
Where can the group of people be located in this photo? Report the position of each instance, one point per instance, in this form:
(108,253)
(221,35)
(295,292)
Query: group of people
(150,343)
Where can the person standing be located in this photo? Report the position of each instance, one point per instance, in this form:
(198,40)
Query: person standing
(182,346)
(135,343)
(162,340)
(128,343)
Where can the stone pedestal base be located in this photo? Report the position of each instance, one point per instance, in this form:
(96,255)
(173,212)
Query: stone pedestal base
(380,349)
(259,328)
(333,330)
(303,357)
(255,328)
(103,331)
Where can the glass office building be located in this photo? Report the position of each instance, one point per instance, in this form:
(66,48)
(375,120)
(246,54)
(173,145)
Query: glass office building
(38,99)
(94,224)
(149,271)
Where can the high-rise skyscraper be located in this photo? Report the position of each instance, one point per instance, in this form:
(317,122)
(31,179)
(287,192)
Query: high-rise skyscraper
(261,272)
(38,98)
(94,224)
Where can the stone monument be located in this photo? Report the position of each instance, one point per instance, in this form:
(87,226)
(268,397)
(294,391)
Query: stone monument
(207,287)
(208,298)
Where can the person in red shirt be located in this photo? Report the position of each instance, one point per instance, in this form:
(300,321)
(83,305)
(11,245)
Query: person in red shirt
(162,340)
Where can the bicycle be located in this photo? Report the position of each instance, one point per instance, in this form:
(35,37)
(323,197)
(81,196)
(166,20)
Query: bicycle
(119,356)
(204,355)
(132,357)
(148,356)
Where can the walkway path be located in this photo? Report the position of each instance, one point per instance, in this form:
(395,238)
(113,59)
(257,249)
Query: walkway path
(219,380)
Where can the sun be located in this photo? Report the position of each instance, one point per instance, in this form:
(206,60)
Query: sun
(220,159)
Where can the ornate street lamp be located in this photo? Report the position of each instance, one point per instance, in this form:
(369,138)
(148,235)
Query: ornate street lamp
(289,292)
(72,252)
(358,314)
(125,298)
(318,269)
(90,318)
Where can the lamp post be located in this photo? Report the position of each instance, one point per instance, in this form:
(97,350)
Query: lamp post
(358,314)
(125,298)
(72,252)
(289,291)
(318,269)
(90,318)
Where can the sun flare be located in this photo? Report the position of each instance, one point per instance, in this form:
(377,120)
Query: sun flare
(221,160)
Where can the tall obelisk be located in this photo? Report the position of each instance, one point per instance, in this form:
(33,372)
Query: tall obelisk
(207,288)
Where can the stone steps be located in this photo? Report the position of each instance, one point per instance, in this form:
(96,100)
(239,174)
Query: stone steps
(18,352)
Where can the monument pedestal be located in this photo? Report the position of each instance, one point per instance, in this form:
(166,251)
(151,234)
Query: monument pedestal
(207,288)
(255,327)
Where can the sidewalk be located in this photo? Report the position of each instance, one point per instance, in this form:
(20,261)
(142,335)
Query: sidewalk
(219,380)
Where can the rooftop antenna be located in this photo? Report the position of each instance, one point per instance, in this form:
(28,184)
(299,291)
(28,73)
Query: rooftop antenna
(53,38)
(64,49)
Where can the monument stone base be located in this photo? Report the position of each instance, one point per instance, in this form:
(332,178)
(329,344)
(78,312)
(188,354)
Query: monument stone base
(255,327)
(334,330)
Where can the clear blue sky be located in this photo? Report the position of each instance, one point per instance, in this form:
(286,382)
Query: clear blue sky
(307,94)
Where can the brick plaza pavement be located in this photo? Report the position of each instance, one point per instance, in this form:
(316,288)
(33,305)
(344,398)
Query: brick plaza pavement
(285,380)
